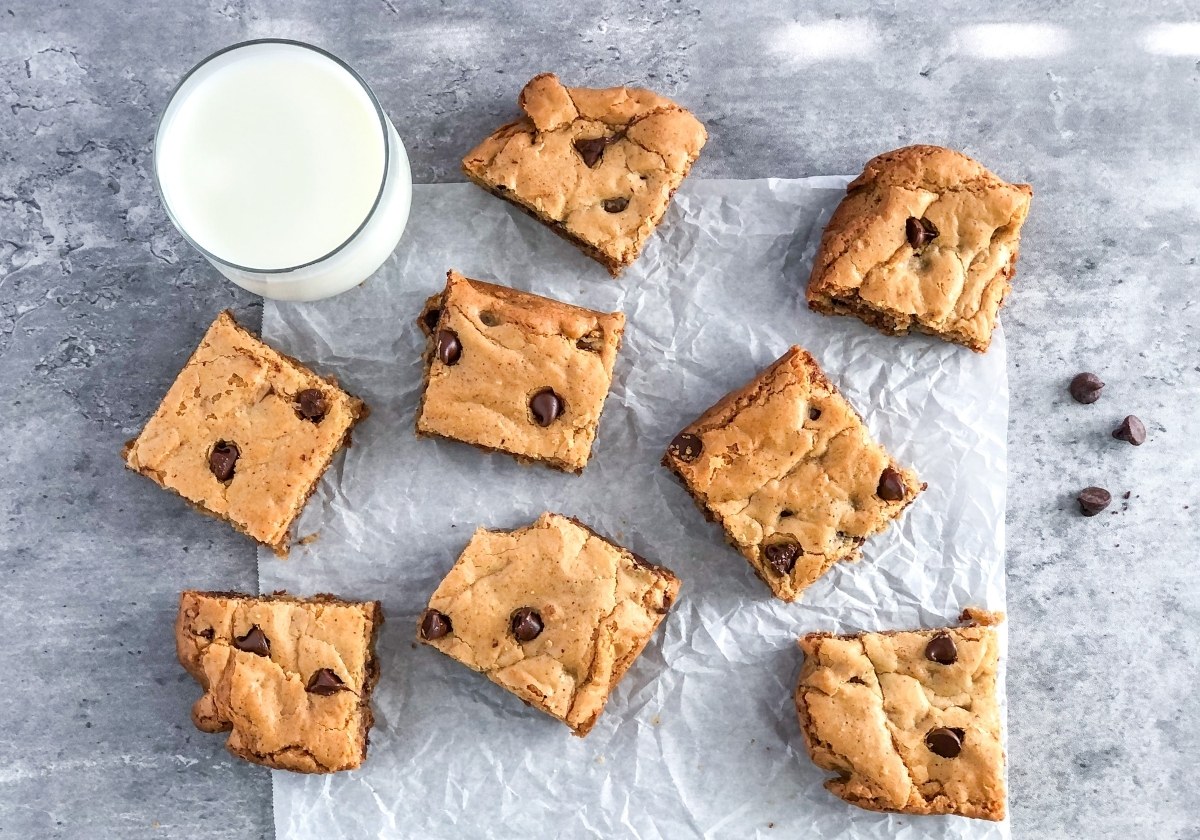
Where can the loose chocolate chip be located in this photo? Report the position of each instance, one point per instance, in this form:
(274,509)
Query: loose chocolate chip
(431,319)
(1085,388)
(311,405)
(920,232)
(942,650)
(591,150)
(546,406)
(782,556)
(686,447)
(945,741)
(891,485)
(434,625)
(1092,500)
(615,205)
(255,641)
(526,624)
(325,682)
(448,349)
(223,459)
(1131,430)
(814,414)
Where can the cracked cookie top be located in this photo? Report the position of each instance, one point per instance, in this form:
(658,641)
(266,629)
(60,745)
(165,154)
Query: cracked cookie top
(244,432)
(511,371)
(553,612)
(909,720)
(927,239)
(599,166)
(289,679)
(790,471)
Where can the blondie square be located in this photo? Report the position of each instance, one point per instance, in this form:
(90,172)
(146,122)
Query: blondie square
(908,720)
(552,612)
(598,167)
(513,372)
(926,239)
(245,433)
(789,470)
(289,678)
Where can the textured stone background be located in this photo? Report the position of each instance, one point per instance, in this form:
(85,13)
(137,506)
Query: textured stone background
(101,301)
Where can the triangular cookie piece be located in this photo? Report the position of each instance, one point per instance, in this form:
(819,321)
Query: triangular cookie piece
(926,239)
(909,720)
(598,167)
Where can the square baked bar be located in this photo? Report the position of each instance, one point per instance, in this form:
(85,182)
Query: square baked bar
(598,167)
(289,678)
(926,239)
(553,612)
(245,433)
(787,467)
(908,720)
(513,372)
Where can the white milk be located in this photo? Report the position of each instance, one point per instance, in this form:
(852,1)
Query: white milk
(277,163)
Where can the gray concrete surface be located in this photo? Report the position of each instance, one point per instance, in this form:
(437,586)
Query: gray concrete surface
(100,302)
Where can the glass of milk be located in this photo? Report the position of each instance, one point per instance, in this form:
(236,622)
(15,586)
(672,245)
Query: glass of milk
(274,159)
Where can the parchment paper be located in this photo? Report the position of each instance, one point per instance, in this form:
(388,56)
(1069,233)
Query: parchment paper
(701,738)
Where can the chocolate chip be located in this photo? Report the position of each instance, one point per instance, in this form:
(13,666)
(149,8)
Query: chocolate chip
(448,349)
(592,340)
(431,319)
(814,414)
(325,682)
(255,641)
(489,318)
(1085,388)
(1092,500)
(500,188)
(591,150)
(223,459)
(667,601)
(920,232)
(942,650)
(891,485)
(546,406)
(311,405)
(207,634)
(1131,430)
(434,625)
(686,447)
(615,205)
(782,556)
(526,624)
(945,741)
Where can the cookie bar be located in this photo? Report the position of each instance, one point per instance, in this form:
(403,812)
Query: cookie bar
(513,372)
(909,720)
(289,678)
(787,467)
(926,239)
(598,167)
(553,612)
(245,433)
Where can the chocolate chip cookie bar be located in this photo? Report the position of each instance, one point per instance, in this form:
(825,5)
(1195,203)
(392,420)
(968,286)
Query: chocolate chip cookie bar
(513,372)
(553,612)
(926,239)
(289,679)
(908,720)
(787,467)
(245,433)
(598,167)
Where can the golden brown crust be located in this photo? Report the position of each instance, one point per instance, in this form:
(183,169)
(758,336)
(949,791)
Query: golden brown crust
(598,602)
(868,701)
(236,388)
(786,460)
(264,701)
(513,345)
(598,166)
(951,286)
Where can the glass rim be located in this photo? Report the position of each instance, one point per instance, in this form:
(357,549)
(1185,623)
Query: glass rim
(383,125)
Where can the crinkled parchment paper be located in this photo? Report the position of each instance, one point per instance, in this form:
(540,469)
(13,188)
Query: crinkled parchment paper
(701,738)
